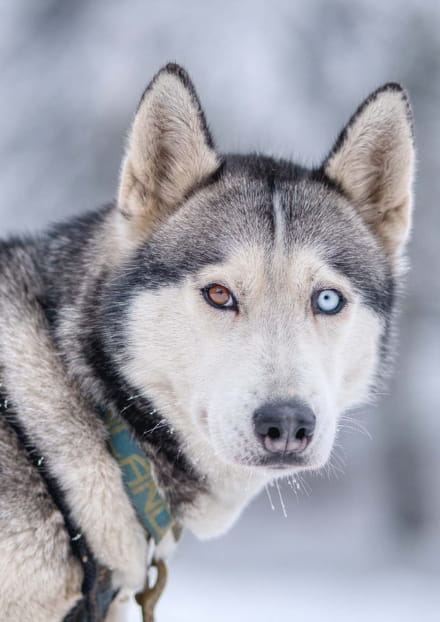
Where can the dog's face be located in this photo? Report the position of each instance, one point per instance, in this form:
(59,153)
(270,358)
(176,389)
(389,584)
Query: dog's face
(257,315)
(261,294)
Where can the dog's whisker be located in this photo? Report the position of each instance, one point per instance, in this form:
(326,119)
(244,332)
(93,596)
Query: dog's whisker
(283,506)
(269,496)
(162,424)
(293,484)
(304,486)
(347,423)
(134,397)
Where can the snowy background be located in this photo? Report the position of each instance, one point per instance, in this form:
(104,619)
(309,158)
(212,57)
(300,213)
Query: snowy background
(281,76)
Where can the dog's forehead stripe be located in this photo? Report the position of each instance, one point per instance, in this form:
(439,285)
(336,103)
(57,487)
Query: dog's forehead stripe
(279,220)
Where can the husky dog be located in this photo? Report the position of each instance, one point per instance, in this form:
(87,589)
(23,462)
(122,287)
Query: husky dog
(228,307)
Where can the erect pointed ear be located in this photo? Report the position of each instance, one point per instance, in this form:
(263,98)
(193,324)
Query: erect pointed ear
(373,163)
(170,151)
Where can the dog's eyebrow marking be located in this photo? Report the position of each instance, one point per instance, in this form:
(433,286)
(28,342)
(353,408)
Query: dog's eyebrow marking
(279,220)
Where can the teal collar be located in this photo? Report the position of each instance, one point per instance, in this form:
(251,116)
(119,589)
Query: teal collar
(151,508)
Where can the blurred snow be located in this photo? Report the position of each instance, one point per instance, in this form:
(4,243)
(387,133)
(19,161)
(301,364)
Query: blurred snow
(388,594)
(282,77)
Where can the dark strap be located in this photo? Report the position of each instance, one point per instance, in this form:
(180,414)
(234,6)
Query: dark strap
(96,585)
(100,598)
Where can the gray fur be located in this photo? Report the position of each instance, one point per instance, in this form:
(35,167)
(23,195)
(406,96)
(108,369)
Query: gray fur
(92,313)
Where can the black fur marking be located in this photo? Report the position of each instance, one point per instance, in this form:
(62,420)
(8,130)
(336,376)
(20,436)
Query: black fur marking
(377,292)
(276,171)
(63,258)
(151,270)
(265,169)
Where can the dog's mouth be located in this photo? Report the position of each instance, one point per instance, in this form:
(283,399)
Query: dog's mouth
(282,462)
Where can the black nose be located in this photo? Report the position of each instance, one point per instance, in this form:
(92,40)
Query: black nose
(284,426)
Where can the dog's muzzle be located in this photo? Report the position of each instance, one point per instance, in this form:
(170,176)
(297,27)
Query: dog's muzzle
(284,428)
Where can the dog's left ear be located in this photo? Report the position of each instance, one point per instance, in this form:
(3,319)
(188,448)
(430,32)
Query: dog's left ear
(170,151)
(373,163)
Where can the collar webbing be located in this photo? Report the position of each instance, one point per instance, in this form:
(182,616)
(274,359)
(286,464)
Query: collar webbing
(140,486)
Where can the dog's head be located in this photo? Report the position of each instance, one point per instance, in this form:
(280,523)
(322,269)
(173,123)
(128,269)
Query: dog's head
(261,293)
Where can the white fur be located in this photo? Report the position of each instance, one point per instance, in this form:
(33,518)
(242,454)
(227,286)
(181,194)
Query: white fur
(215,368)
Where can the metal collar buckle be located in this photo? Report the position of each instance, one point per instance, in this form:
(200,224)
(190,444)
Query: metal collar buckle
(148,598)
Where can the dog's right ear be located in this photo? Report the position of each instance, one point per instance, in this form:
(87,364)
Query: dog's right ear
(170,151)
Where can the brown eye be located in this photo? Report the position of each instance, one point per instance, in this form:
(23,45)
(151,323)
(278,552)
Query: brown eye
(219,296)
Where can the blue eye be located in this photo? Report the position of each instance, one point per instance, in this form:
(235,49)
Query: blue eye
(328,301)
